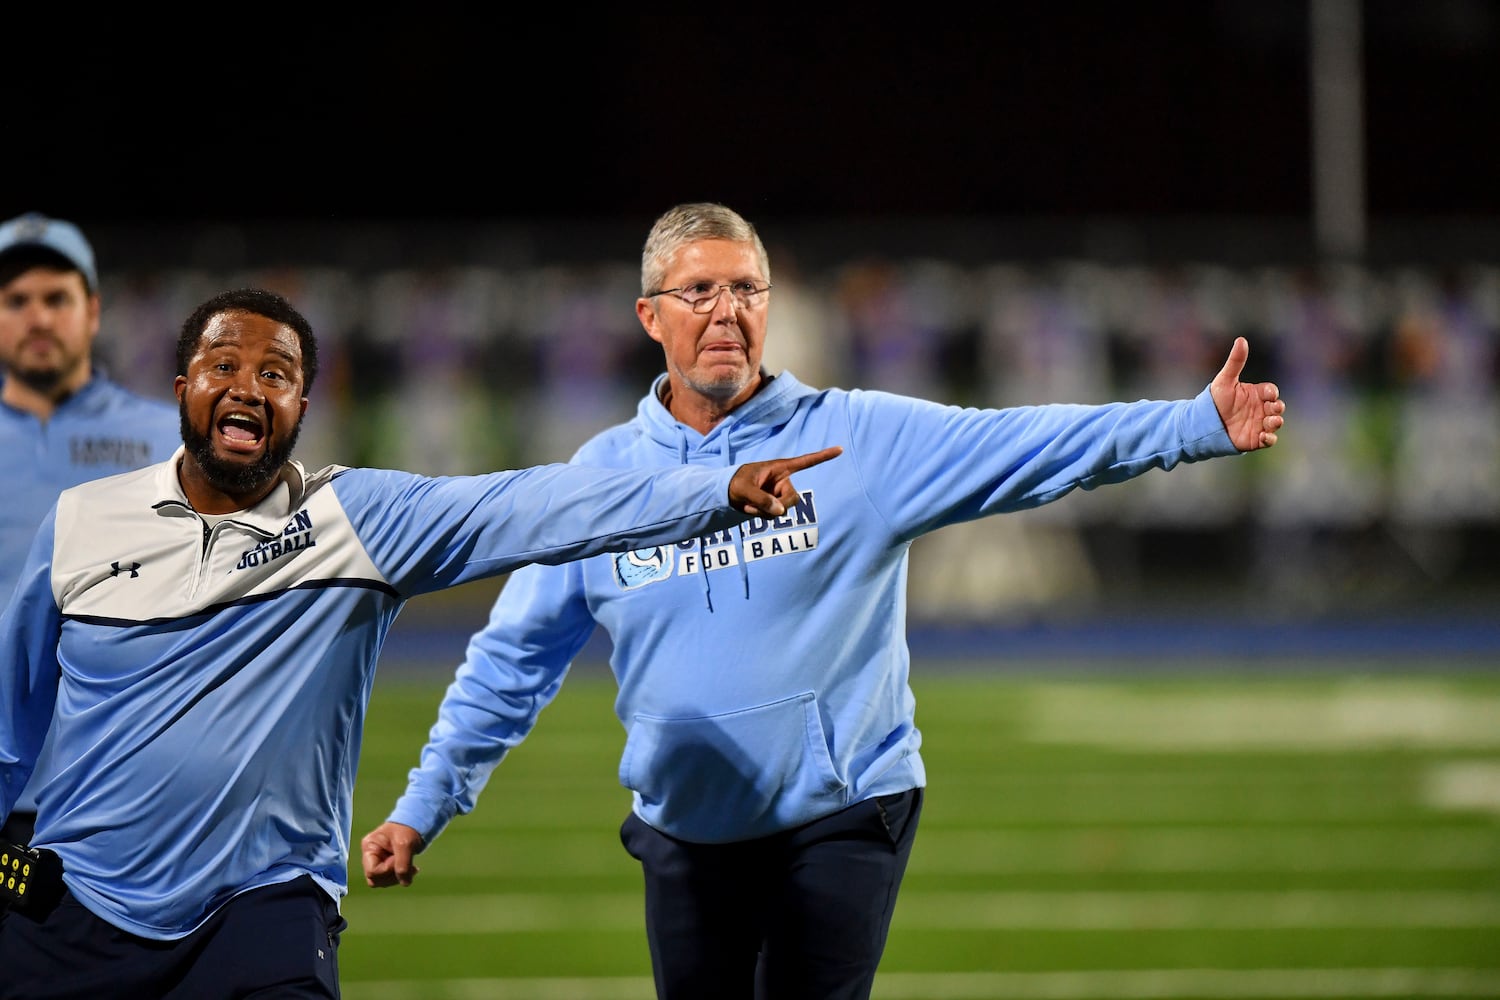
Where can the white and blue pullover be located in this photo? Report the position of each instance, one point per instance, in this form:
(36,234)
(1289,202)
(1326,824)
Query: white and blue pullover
(763,671)
(205,680)
(100,430)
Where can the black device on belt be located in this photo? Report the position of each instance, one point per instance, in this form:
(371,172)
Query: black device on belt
(30,878)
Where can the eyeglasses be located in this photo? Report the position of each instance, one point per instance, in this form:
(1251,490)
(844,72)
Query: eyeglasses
(703,296)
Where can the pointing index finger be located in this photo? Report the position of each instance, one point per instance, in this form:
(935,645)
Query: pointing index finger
(813,458)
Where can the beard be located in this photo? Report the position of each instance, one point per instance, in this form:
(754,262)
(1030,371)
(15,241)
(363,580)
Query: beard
(234,478)
(42,381)
(723,387)
(48,379)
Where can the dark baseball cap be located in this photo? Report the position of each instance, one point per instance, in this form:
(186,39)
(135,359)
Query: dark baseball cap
(63,238)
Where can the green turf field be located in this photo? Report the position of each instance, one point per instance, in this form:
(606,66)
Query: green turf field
(1328,836)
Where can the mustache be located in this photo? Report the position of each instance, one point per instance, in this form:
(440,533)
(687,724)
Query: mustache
(233,477)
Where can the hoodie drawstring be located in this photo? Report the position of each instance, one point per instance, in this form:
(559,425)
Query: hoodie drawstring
(708,596)
(726,452)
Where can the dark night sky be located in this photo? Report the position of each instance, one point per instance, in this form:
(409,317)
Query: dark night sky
(1064,108)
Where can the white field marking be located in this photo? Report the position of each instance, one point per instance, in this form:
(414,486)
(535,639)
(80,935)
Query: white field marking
(1359,713)
(1215,771)
(1167,984)
(502,913)
(1102,984)
(1463,785)
(1203,849)
(1172,910)
(612,988)
(1074,849)
(1134,802)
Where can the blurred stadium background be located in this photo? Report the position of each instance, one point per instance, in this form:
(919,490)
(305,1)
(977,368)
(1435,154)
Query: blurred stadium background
(1228,732)
(1383,504)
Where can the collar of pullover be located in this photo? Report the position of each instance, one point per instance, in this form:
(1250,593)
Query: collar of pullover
(268,516)
(754,421)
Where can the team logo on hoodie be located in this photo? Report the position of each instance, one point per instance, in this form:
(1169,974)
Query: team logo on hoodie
(643,566)
(756,539)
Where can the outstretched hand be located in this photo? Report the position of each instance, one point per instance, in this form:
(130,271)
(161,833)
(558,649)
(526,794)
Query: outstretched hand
(1251,411)
(765,489)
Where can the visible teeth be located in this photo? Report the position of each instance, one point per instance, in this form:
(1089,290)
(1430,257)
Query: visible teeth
(239,427)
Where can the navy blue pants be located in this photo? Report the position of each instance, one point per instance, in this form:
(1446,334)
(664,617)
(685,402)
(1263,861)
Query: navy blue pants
(280,941)
(801,914)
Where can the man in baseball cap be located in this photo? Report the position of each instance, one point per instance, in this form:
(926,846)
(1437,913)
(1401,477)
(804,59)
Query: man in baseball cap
(35,235)
(62,420)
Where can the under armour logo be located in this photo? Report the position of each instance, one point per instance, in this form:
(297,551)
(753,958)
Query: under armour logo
(115,569)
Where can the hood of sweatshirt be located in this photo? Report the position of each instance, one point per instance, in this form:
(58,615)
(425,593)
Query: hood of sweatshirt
(754,421)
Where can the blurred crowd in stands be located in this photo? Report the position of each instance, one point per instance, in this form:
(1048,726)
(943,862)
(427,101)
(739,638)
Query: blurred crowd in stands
(1386,484)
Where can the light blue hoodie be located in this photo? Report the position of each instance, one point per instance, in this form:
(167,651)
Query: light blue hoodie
(763,671)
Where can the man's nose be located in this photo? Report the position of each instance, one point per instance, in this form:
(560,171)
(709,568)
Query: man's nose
(36,313)
(247,387)
(725,295)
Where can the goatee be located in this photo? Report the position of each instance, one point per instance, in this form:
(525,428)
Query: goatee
(233,478)
(42,381)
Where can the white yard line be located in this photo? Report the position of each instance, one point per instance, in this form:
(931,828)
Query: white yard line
(1106,984)
(1176,910)
(420,914)
(1075,849)
(1108,849)
(1166,984)
(1464,785)
(1410,714)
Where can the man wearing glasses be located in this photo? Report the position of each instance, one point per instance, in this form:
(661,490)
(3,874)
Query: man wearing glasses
(771,746)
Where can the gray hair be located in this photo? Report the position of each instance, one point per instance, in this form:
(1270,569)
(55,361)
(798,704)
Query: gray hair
(689,223)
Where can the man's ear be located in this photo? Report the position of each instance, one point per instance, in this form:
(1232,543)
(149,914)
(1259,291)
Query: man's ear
(645,311)
(94,312)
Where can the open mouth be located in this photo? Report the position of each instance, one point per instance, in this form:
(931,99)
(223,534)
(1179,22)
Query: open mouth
(241,431)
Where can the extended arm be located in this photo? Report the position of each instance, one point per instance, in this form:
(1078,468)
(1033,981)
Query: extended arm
(765,488)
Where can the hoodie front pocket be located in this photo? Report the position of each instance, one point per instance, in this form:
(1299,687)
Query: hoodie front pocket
(735,776)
